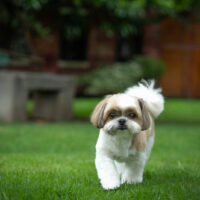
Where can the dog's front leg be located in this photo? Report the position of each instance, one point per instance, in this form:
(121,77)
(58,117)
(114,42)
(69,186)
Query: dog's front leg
(133,170)
(107,171)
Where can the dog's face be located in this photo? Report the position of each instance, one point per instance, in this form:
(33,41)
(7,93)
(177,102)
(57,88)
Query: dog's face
(121,113)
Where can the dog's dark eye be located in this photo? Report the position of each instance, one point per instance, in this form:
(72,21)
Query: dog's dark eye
(132,115)
(112,115)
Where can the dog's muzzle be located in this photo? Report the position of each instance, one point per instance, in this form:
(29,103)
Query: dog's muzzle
(122,124)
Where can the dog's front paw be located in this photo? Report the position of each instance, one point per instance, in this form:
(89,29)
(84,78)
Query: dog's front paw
(110,184)
(132,179)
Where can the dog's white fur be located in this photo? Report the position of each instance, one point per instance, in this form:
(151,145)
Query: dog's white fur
(121,155)
(152,96)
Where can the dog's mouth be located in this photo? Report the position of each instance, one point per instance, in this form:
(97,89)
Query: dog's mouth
(122,127)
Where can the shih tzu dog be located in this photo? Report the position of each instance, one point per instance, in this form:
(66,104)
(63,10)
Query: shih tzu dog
(126,123)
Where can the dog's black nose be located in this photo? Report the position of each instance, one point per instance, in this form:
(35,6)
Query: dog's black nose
(122,122)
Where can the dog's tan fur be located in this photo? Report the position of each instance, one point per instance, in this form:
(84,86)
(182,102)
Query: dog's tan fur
(126,137)
(139,141)
(109,104)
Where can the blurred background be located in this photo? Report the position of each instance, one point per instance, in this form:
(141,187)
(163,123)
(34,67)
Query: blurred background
(58,58)
(54,50)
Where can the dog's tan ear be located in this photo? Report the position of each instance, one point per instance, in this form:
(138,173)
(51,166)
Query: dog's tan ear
(97,115)
(145,115)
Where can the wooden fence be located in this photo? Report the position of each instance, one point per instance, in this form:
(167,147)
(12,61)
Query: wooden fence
(178,45)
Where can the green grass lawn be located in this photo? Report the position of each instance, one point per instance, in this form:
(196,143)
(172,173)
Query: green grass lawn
(56,161)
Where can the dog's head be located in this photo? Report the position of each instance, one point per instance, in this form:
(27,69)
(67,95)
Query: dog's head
(121,113)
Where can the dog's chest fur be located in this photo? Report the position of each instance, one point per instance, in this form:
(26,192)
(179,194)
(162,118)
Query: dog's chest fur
(118,147)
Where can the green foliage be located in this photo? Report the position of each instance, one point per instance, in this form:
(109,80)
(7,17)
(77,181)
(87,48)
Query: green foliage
(173,7)
(117,77)
(111,79)
(123,16)
(152,68)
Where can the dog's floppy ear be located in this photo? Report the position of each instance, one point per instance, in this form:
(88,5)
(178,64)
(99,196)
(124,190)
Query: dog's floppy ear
(145,115)
(97,115)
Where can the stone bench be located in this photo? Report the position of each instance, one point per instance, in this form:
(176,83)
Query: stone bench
(52,94)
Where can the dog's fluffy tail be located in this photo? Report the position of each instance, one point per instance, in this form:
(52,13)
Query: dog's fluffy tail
(153,97)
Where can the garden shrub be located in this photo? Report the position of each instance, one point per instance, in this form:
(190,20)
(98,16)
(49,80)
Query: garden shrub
(117,77)
(152,68)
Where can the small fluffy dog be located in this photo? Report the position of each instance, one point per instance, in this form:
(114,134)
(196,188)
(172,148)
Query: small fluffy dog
(126,123)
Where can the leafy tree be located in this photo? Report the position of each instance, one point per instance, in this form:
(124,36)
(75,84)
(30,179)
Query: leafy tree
(72,16)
